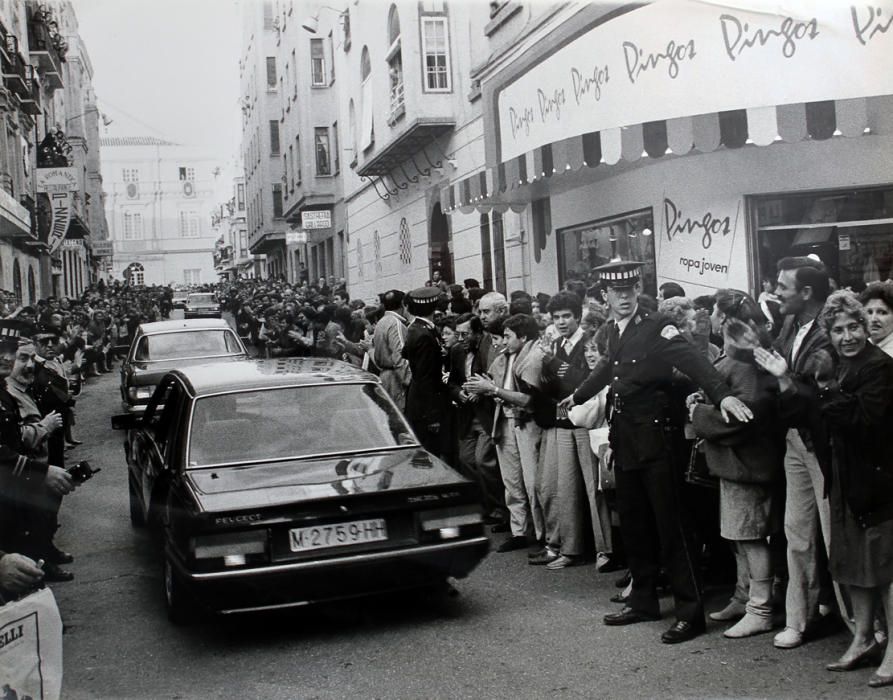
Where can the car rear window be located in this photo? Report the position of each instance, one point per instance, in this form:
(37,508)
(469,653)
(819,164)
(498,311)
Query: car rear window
(271,424)
(201,299)
(169,346)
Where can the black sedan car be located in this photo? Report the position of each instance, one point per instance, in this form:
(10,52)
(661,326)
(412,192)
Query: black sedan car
(201,305)
(279,483)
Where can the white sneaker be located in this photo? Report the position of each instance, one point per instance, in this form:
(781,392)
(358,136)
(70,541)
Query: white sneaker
(788,638)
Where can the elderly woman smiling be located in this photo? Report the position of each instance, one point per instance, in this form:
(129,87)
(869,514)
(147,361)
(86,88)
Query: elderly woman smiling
(857,405)
(878,301)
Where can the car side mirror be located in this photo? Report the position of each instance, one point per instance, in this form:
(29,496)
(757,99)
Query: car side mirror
(126,421)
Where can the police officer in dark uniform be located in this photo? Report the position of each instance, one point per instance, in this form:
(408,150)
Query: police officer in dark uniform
(21,477)
(426,395)
(642,350)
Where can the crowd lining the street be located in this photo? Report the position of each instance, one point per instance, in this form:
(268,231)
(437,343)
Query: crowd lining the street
(675,439)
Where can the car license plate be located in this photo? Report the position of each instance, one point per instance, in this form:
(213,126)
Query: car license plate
(302,539)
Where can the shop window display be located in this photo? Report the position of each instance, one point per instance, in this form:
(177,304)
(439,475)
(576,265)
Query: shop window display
(630,236)
(851,231)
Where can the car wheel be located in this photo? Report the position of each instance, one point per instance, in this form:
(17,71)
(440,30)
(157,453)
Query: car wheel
(176,598)
(136,513)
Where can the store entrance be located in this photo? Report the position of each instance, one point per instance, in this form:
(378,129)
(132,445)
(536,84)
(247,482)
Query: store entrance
(440,256)
(850,231)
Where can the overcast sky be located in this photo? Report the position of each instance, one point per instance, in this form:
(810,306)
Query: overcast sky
(167,68)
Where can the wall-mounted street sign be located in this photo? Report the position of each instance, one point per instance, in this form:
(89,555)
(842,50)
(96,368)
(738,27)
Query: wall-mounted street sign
(316,219)
(295,237)
(102,249)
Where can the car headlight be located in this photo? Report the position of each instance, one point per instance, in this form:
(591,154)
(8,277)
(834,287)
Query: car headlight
(136,393)
(447,523)
(233,548)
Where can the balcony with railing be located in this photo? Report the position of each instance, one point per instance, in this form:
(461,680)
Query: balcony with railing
(31,103)
(46,45)
(15,76)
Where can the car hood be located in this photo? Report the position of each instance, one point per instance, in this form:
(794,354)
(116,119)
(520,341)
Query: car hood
(260,485)
(151,372)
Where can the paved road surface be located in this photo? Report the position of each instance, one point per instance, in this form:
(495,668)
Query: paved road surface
(516,631)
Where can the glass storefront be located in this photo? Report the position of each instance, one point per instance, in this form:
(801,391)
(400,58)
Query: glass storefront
(584,247)
(851,231)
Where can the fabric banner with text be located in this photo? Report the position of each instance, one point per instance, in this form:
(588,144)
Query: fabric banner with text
(680,58)
(59,184)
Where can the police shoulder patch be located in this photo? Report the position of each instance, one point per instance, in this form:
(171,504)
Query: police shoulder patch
(669,332)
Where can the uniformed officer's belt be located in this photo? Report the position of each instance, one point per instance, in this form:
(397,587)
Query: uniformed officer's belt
(654,406)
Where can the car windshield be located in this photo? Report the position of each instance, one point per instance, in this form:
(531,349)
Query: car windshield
(201,299)
(204,343)
(293,422)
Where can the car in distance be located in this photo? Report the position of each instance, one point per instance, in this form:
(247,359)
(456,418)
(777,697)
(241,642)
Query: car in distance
(278,483)
(178,300)
(163,345)
(201,305)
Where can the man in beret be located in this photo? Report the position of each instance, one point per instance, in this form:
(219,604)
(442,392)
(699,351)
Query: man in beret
(425,398)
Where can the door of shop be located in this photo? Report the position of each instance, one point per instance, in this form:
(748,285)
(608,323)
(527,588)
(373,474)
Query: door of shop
(440,245)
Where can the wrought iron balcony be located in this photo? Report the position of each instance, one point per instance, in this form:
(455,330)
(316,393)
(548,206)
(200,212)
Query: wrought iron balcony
(31,103)
(44,49)
(14,76)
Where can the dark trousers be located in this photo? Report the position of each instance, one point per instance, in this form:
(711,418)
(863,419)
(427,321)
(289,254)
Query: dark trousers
(652,527)
(478,461)
(36,521)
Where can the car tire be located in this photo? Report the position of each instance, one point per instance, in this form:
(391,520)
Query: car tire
(177,601)
(137,519)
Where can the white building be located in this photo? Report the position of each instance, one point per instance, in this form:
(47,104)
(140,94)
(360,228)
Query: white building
(159,198)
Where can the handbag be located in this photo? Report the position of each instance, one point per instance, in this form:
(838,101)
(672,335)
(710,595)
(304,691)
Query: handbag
(31,654)
(697,472)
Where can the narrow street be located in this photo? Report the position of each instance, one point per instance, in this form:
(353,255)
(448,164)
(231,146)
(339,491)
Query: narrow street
(515,631)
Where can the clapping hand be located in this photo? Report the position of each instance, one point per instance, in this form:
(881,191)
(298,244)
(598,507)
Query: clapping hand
(479,384)
(771,361)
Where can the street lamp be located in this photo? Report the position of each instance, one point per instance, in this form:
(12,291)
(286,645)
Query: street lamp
(311,24)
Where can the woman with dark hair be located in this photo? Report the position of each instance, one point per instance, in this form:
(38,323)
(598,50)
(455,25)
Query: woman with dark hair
(857,406)
(747,457)
(878,302)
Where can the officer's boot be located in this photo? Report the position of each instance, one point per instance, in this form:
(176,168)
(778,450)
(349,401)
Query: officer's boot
(758,616)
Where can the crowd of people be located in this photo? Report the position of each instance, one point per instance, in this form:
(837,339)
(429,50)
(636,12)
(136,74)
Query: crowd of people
(49,352)
(674,439)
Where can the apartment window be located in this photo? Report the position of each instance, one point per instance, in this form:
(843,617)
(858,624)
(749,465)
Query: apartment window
(395,66)
(274,137)
(193,276)
(336,151)
(240,197)
(131,175)
(331,56)
(291,172)
(271,72)
(317,62)
(277,201)
(268,14)
(367,129)
(285,173)
(346,23)
(436,52)
(298,158)
(189,226)
(187,174)
(321,142)
(133,226)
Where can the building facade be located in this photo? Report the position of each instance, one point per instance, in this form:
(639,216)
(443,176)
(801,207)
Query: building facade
(232,259)
(159,201)
(50,188)
(524,144)
(261,142)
